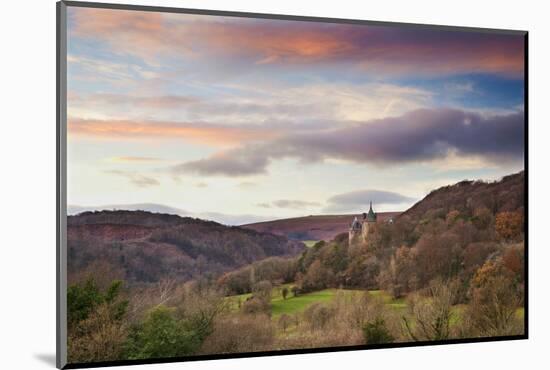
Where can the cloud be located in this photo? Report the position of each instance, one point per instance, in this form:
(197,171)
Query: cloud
(93,69)
(231,163)
(418,136)
(135,178)
(289,204)
(132,101)
(263,42)
(360,199)
(247,184)
(204,133)
(279,105)
(264,205)
(135,159)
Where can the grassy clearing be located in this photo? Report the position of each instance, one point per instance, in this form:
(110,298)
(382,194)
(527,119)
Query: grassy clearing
(310,243)
(292,305)
(398,304)
(234,302)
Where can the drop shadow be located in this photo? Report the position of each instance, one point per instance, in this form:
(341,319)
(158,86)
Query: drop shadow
(47,358)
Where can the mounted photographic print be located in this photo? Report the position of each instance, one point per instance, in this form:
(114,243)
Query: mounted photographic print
(237,184)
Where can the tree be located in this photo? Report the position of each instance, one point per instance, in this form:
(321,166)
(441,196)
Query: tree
(162,335)
(513,259)
(483,217)
(96,329)
(255,305)
(451,217)
(509,225)
(285,321)
(317,277)
(82,300)
(376,332)
(262,290)
(318,315)
(432,314)
(495,300)
(99,337)
(284,292)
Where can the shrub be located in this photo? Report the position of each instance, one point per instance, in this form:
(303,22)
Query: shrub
(376,332)
(285,321)
(240,333)
(256,305)
(162,335)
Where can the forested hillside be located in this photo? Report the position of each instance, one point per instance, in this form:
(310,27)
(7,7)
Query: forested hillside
(147,247)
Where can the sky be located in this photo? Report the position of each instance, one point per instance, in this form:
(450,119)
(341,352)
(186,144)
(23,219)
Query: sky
(241,120)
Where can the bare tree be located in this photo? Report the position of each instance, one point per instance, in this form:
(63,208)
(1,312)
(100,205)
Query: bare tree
(432,314)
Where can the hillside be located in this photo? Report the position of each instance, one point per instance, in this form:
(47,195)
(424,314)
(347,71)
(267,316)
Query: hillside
(312,227)
(146,247)
(465,196)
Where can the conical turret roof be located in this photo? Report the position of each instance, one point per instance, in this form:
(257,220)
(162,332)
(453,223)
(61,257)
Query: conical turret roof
(371,216)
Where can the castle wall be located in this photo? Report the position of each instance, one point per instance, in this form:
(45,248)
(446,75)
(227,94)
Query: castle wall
(365,231)
(354,237)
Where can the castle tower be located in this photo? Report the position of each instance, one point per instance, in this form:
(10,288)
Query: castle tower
(359,230)
(369,220)
(354,233)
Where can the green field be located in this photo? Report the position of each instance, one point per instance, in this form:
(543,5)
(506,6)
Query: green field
(292,305)
(310,243)
(399,303)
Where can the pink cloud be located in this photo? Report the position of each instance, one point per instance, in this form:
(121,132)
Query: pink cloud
(373,48)
(206,134)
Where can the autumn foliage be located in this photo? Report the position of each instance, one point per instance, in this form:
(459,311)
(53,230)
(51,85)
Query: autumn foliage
(509,225)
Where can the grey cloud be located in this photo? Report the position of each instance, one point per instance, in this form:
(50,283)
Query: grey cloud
(264,205)
(233,163)
(135,178)
(359,200)
(420,135)
(294,204)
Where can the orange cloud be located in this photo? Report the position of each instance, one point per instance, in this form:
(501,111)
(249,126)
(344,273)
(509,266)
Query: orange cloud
(206,134)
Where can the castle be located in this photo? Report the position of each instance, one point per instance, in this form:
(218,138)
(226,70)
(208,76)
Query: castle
(359,230)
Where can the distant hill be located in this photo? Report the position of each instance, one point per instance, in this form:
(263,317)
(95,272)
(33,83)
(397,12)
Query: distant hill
(225,219)
(312,227)
(150,246)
